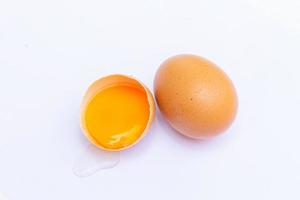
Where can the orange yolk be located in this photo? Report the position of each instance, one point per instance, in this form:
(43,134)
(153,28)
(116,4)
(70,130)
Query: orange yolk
(117,116)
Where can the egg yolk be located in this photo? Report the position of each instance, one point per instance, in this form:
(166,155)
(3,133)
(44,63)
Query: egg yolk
(117,116)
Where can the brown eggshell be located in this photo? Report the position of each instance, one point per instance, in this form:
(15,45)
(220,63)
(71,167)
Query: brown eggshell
(195,96)
(104,83)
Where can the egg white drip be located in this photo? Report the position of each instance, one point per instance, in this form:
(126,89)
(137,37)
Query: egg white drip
(93,159)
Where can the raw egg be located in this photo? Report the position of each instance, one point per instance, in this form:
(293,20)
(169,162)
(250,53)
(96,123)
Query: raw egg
(195,96)
(116,112)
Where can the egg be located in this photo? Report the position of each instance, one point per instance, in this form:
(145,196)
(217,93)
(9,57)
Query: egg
(195,96)
(116,112)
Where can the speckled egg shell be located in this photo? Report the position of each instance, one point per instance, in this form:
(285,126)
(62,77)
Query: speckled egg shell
(195,96)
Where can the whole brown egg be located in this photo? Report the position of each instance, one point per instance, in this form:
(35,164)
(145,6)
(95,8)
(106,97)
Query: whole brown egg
(195,96)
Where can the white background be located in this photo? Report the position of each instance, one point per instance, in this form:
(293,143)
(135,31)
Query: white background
(50,51)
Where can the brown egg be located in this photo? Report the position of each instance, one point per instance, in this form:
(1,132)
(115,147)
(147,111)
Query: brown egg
(195,96)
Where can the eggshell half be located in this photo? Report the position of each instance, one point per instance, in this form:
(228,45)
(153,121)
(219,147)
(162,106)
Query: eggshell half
(104,83)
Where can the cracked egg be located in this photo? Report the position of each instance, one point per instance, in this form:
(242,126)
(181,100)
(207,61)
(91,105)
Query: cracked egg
(116,112)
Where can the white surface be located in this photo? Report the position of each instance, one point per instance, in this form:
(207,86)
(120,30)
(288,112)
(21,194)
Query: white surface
(50,51)
(2,197)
